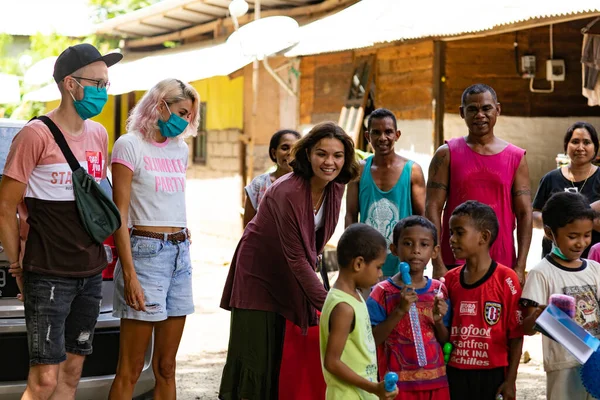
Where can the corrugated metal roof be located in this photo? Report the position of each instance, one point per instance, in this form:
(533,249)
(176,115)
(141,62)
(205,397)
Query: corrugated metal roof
(378,21)
(174,15)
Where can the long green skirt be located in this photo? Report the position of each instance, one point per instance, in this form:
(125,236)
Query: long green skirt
(254,356)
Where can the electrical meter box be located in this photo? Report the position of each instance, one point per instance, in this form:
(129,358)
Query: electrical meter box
(528,66)
(555,70)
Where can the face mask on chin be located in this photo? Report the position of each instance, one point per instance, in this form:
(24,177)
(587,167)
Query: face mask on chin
(557,251)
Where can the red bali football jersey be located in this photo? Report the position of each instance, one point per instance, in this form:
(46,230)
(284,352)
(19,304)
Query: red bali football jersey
(484,316)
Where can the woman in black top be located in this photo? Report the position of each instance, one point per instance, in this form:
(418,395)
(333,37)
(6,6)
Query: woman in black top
(579,176)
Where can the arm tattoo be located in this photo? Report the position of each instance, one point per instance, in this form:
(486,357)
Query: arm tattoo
(436,163)
(522,192)
(436,185)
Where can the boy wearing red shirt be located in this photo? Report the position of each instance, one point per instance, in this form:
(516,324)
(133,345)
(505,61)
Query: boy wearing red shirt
(486,329)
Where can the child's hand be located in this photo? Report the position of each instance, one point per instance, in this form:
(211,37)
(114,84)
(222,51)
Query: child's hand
(538,311)
(383,394)
(440,308)
(408,296)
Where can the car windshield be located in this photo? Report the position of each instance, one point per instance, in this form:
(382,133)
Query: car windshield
(7,133)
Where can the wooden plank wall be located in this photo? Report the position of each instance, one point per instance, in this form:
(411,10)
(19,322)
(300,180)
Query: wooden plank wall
(403,81)
(491,60)
(324,84)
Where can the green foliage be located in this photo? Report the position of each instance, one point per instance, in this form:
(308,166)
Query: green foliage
(8,65)
(106,9)
(42,46)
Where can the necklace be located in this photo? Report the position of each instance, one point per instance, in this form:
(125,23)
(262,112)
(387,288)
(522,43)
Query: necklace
(572,177)
(315,207)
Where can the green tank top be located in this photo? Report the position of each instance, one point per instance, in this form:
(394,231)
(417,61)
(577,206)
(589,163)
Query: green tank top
(382,210)
(359,353)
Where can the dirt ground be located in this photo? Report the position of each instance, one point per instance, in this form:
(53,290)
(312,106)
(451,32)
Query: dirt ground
(213,213)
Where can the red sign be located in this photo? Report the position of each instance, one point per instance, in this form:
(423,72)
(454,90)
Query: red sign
(94,162)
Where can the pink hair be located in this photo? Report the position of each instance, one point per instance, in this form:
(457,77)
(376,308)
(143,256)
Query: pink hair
(145,114)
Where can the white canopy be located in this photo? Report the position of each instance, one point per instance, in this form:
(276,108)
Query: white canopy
(9,89)
(142,74)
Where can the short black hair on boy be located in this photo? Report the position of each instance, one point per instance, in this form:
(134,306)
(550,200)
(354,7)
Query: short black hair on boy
(414,220)
(565,207)
(483,216)
(359,240)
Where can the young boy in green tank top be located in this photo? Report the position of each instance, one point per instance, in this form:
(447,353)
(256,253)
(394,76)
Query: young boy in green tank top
(348,353)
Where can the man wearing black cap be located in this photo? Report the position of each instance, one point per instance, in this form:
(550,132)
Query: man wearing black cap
(57,265)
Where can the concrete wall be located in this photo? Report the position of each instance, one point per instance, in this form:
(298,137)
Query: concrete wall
(416,141)
(262,161)
(542,137)
(222,159)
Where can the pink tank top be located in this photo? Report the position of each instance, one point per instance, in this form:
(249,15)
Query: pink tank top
(489,180)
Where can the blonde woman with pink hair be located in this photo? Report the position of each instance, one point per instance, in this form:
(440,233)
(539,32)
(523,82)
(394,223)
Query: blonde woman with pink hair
(153,278)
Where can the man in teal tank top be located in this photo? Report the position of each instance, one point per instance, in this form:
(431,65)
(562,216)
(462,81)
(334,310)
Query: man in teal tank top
(391,187)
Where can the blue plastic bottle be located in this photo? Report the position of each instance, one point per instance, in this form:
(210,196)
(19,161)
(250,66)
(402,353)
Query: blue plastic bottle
(414,318)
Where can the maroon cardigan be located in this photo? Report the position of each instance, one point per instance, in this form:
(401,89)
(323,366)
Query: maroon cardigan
(273,268)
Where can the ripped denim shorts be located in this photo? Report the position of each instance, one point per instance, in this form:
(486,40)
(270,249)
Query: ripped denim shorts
(60,314)
(164,270)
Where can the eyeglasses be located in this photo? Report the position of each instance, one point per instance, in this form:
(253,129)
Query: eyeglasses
(100,84)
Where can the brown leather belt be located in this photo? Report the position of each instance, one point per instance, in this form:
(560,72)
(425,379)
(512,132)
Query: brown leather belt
(180,236)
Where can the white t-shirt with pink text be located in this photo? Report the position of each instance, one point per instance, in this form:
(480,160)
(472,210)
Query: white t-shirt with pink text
(158,185)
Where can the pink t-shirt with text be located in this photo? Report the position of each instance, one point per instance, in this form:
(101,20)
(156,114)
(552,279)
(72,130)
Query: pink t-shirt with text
(158,185)
(54,239)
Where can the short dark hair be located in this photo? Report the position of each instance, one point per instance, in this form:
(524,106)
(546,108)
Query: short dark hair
(325,130)
(414,220)
(483,216)
(582,125)
(276,139)
(565,207)
(381,113)
(359,240)
(478,88)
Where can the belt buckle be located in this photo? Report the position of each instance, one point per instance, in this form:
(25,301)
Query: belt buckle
(173,239)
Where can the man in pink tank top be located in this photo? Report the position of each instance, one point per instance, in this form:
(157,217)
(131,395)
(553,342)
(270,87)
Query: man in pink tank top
(485,168)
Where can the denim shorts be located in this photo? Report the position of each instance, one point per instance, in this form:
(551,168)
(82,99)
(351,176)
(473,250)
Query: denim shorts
(164,270)
(60,315)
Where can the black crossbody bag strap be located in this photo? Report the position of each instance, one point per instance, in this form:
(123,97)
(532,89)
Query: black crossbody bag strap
(323,272)
(61,141)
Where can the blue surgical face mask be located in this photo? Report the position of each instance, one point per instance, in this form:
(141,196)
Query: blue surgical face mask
(174,126)
(92,103)
(556,250)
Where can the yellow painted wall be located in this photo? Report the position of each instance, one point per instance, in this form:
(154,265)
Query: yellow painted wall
(224,99)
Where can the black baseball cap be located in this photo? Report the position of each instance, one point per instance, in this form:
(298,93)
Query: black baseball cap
(79,56)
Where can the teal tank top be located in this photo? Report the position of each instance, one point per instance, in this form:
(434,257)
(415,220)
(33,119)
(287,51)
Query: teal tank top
(382,210)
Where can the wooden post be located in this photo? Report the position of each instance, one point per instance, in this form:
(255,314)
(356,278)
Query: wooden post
(130,102)
(439,79)
(255,77)
(118,102)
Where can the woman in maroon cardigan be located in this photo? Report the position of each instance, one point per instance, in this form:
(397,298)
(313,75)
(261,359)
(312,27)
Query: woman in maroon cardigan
(272,275)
